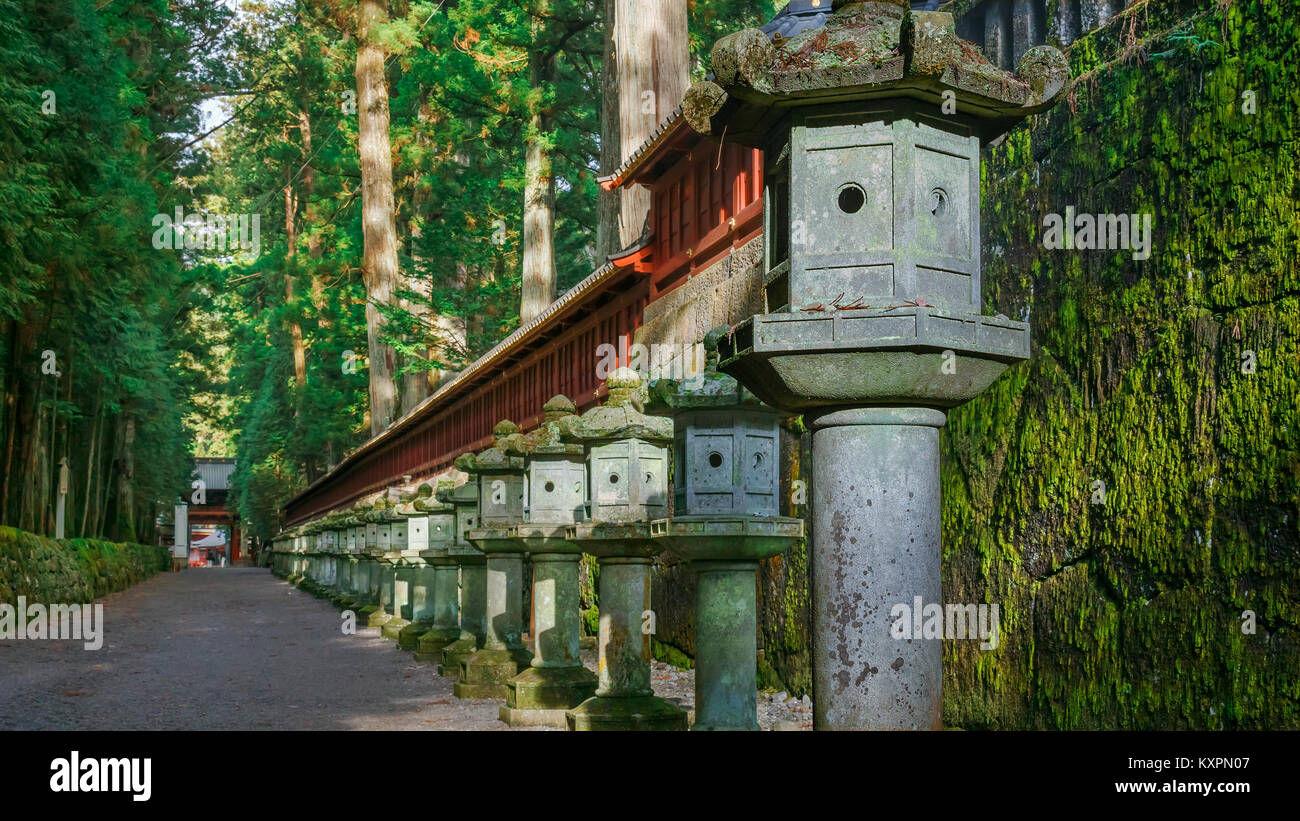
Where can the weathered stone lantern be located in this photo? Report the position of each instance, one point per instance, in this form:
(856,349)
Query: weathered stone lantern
(500,474)
(315,560)
(338,567)
(627,471)
(726,479)
(350,561)
(446,642)
(430,528)
(404,565)
(555,498)
(381,582)
(361,573)
(872,126)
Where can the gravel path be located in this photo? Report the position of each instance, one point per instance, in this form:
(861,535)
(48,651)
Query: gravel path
(238,649)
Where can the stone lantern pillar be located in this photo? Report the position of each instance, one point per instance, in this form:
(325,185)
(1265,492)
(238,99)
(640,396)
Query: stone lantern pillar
(361,574)
(331,557)
(627,477)
(430,529)
(726,518)
(349,564)
(379,539)
(555,498)
(500,474)
(404,564)
(460,629)
(871,127)
(308,550)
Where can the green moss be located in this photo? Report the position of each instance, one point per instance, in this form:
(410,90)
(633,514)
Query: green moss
(671,655)
(1127,614)
(72,570)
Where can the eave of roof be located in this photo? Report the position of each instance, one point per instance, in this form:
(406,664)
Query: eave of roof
(645,152)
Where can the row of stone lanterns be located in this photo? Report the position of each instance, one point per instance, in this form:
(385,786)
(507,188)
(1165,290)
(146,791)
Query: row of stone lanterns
(596,484)
(873,328)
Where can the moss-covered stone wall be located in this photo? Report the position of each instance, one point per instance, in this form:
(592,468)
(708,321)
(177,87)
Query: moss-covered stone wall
(1131,491)
(70,571)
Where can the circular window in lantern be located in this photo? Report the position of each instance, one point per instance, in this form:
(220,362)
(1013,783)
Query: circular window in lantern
(851,198)
(939,203)
(715,459)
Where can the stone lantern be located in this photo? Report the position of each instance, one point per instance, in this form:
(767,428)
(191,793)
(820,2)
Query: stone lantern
(430,528)
(555,498)
(873,327)
(500,474)
(627,468)
(349,561)
(337,570)
(312,571)
(725,520)
(362,571)
(382,578)
(404,564)
(446,642)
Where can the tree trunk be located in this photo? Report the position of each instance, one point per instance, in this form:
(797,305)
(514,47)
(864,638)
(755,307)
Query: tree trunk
(417,384)
(33,459)
(607,202)
(653,58)
(95,425)
(13,402)
(124,527)
(295,326)
(312,217)
(539,198)
(379,262)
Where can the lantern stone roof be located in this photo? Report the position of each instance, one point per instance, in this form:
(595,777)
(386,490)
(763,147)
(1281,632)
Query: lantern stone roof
(621,416)
(502,457)
(708,389)
(383,510)
(422,503)
(554,435)
(872,50)
(463,494)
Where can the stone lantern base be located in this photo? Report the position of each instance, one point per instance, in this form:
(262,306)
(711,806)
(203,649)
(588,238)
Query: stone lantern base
(408,638)
(431,644)
(455,654)
(626,713)
(541,696)
(486,673)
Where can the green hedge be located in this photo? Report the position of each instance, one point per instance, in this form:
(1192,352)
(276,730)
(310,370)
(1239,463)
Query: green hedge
(71,570)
